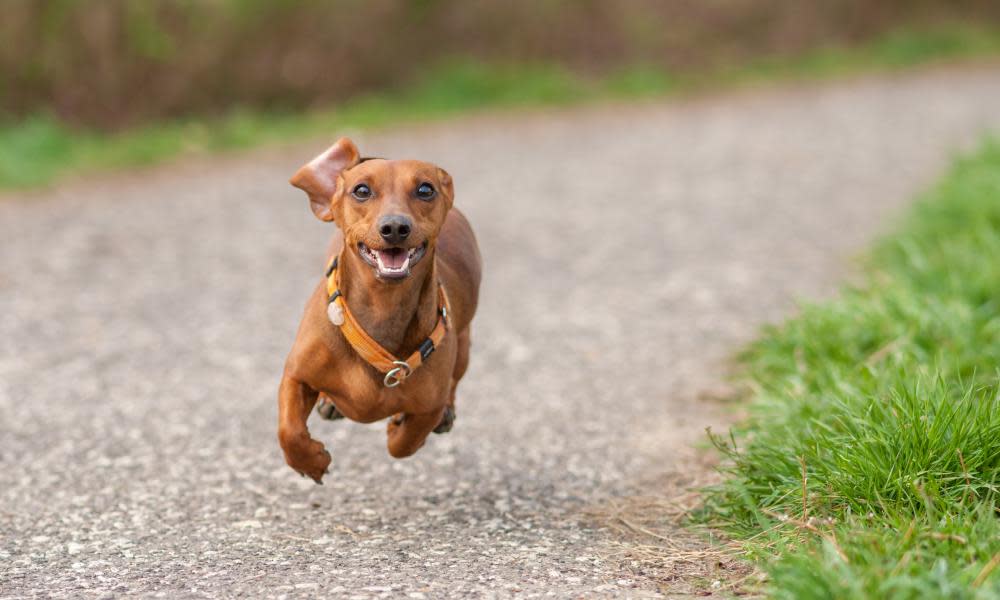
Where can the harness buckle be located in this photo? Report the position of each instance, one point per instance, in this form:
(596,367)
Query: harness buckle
(396,376)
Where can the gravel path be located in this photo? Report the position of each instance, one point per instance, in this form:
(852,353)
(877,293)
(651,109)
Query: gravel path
(629,250)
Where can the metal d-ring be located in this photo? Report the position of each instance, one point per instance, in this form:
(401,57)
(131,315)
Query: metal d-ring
(392,378)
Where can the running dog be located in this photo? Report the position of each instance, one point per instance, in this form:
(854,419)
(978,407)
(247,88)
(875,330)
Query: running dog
(386,332)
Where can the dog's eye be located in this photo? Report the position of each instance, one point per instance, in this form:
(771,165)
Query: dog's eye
(425,191)
(361,192)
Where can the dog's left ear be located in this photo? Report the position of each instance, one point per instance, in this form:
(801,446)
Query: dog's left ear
(318,177)
(447,187)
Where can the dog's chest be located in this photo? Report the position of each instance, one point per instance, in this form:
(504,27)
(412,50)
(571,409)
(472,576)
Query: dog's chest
(363,383)
(360,394)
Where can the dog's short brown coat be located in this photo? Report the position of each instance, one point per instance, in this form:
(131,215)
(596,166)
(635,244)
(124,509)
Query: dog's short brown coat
(398,314)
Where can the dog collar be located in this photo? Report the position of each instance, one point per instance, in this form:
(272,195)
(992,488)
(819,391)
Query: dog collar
(396,370)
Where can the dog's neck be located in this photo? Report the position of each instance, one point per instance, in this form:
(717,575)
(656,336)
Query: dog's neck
(396,314)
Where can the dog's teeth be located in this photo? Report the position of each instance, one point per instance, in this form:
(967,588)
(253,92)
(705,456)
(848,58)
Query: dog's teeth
(383,268)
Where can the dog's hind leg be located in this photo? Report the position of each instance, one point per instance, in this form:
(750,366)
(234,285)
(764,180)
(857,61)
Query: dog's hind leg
(327,409)
(448,417)
(461,365)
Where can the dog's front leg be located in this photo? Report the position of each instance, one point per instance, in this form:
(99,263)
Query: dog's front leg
(407,432)
(302,452)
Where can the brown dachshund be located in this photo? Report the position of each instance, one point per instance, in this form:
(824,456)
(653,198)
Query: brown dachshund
(386,333)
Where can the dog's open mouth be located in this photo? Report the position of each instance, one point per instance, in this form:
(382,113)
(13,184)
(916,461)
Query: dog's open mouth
(392,263)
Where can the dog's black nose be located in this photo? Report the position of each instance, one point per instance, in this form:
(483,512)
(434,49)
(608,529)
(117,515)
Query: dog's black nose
(394,228)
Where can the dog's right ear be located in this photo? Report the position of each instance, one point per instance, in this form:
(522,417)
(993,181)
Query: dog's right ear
(318,177)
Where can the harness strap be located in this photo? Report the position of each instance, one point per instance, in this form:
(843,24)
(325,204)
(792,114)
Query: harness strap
(396,370)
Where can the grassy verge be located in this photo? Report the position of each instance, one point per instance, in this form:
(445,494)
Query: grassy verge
(41,150)
(870,465)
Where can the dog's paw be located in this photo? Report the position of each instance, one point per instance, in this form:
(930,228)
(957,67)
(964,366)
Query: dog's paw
(319,466)
(328,410)
(312,461)
(447,421)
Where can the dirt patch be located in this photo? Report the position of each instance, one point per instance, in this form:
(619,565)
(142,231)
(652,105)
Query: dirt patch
(653,537)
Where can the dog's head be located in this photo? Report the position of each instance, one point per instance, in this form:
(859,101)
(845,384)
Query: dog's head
(390,211)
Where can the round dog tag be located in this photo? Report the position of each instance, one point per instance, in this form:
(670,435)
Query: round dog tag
(335,313)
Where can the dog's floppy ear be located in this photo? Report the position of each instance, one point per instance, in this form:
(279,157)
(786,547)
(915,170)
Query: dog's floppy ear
(447,187)
(318,177)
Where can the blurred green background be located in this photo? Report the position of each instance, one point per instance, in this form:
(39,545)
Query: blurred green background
(87,85)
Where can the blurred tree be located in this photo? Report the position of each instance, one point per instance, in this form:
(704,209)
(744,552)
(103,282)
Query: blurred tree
(115,62)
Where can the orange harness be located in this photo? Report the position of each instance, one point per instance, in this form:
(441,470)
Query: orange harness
(396,371)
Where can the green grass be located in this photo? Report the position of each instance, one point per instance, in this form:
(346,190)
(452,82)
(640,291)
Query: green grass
(41,150)
(884,406)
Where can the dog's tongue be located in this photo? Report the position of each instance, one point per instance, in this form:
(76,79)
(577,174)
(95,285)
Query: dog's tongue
(393,257)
